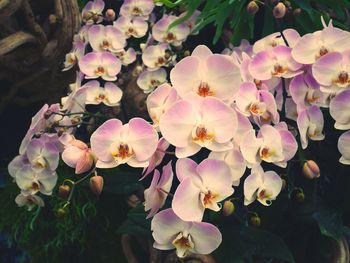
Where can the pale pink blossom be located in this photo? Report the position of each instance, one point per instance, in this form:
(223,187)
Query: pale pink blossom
(30,201)
(339,109)
(195,123)
(126,57)
(156,56)
(150,80)
(201,187)
(106,38)
(344,148)
(135,27)
(138,8)
(261,186)
(133,143)
(42,155)
(170,232)
(110,95)
(74,56)
(157,193)
(92,12)
(206,74)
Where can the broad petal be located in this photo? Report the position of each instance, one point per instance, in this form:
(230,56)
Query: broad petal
(327,68)
(339,109)
(206,237)
(344,148)
(185,168)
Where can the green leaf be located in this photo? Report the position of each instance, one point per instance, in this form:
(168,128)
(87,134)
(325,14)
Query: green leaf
(330,224)
(240,244)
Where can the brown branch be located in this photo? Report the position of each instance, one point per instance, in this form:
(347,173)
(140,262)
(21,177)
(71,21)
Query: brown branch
(8,7)
(13,41)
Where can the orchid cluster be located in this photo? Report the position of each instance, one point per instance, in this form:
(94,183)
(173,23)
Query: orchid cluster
(236,108)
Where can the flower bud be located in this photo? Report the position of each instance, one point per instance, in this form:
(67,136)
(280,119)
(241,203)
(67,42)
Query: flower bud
(96,184)
(52,19)
(279,10)
(61,212)
(311,169)
(255,220)
(187,53)
(63,191)
(252,8)
(110,15)
(297,12)
(284,184)
(299,195)
(228,208)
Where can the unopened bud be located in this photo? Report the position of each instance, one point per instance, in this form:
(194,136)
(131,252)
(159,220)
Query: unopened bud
(297,12)
(61,212)
(311,169)
(96,184)
(63,191)
(110,15)
(299,195)
(279,10)
(52,19)
(187,53)
(287,3)
(228,208)
(255,220)
(252,8)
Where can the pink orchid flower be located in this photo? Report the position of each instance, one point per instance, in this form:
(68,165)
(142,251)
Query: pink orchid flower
(235,161)
(310,124)
(100,64)
(157,56)
(32,181)
(175,35)
(269,84)
(110,95)
(106,38)
(272,144)
(261,186)
(159,101)
(195,123)
(42,155)
(74,56)
(16,164)
(339,109)
(258,104)
(201,186)
(191,22)
(92,12)
(275,62)
(157,193)
(126,57)
(157,157)
(275,39)
(170,232)
(78,155)
(343,147)
(138,8)
(133,143)
(30,201)
(332,71)
(312,46)
(149,80)
(135,27)
(206,74)
(305,91)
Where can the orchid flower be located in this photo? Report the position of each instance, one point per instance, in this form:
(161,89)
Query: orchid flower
(74,56)
(305,91)
(195,123)
(275,39)
(339,109)
(170,232)
(332,71)
(30,201)
(201,186)
(110,95)
(157,193)
(206,74)
(16,164)
(275,62)
(42,155)
(159,101)
(126,57)
(106,38)
(156,56)
(149,80)
(175,35)
(310,124)
(157,157)
(343,147)
(137,8)
(100,64)
(312,46)
(78,155)
(92,12)
(31,181)
(261,186)
(135,27)
(260,104)
(272,144)
(133,143)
